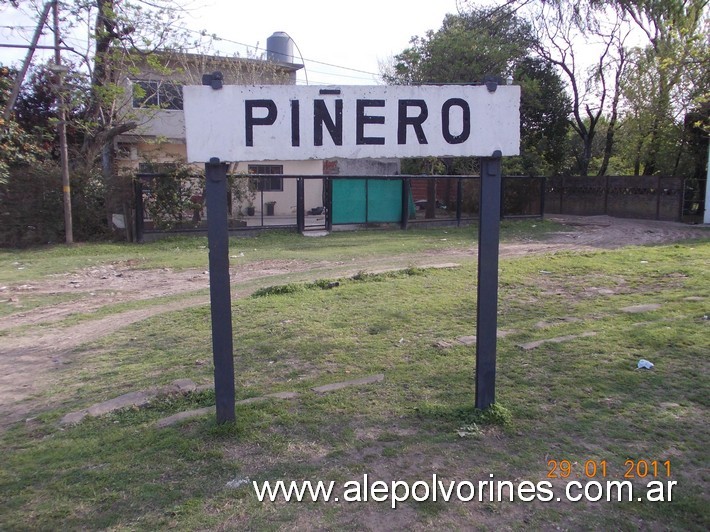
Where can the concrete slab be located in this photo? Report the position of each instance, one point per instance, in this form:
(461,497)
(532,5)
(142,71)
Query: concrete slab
(139,398)
(636,309)
(557,321)
(471,340)
(355,382)
(182,416)
(443,344)
(277,395)
(123,401)
(184,385)
(284,395)
(74,417)
(558,340)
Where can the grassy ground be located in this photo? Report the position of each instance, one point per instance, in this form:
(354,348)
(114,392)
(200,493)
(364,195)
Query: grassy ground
(581,401)
(191,252)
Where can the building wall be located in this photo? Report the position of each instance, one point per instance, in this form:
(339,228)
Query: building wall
(286,199)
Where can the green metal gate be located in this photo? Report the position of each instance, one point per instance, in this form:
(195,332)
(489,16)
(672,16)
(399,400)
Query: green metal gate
(368,200)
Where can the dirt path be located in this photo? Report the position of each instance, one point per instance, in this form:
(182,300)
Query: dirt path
(29,356)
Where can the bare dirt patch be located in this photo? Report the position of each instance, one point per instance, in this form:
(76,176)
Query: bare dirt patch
(37,345)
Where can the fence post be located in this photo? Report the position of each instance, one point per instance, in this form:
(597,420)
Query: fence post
(658,197)
(543,188)
(220,296)
(459,201)
(502,197)
(562,195)
(405,202)
(300,206)
(138,194)
(328,183)
(681,207)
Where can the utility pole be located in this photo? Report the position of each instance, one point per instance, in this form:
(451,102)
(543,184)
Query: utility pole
(706,215)
(28,59)
(60,70)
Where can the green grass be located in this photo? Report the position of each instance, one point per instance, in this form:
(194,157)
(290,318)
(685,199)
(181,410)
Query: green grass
(581,400)
(191,252)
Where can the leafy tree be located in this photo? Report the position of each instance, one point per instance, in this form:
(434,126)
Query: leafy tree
(124,38)
(30,179)
(644,91)
(466,48)
(544,119)
(485,41)
(675,66)
(565,32)
(17,146)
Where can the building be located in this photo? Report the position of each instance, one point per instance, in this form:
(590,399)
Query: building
(157,144)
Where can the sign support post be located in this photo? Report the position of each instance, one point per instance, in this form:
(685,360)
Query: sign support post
(487,301)
(220,296)
(280,122)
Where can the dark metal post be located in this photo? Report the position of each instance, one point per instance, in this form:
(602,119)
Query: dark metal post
(220,296)
(502,198)
(261,201)
(138,193)
(562,196)
(328,183)
(300,205)
(683,184)
(487,303)
(62,131)
(459,201)
(658,197)
(543,189)
(405,202)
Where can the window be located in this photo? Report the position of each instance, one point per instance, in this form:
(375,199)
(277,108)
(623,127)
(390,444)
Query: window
(164,94)
(268,184)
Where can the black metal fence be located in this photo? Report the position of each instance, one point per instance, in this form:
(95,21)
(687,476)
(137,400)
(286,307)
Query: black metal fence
(456,200)
(426,199)
(644,197)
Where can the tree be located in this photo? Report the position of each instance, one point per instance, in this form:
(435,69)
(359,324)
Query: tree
(643,89)
(30,175)
(566,33)
(485,41)
(17,146)
(544,118)
(675,64)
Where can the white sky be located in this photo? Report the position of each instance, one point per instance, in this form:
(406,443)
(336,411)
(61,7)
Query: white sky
(356,34)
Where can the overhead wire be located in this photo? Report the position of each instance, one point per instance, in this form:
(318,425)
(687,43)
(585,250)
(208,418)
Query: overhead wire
(257,48)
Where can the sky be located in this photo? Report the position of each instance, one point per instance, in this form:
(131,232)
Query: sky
(342,43)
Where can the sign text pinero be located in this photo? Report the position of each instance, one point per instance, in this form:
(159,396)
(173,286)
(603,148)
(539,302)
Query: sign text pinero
(288,122)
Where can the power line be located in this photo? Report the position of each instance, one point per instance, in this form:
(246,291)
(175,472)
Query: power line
(258,48)
(38,47)
(339,75)
(247,46)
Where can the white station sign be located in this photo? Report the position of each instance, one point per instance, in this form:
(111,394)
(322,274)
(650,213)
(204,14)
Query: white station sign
(289,122)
